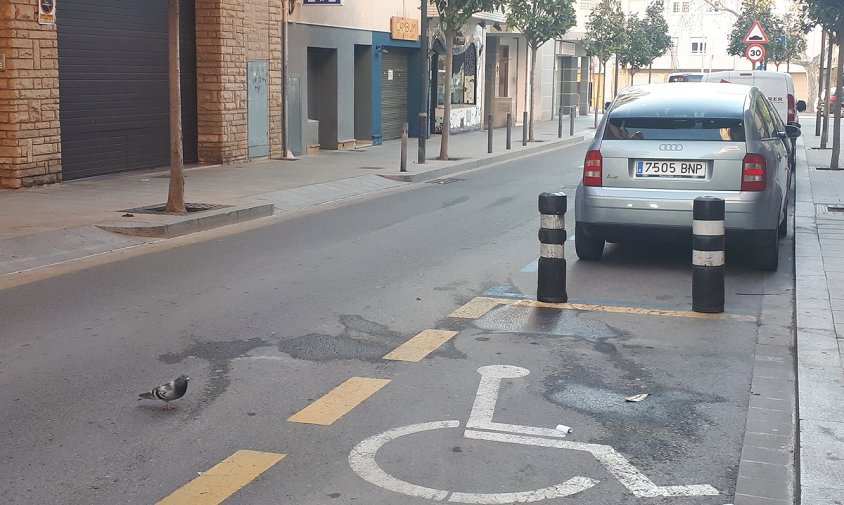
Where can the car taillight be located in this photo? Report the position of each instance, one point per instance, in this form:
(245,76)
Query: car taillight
(792,113)
(753,173)
(592,169)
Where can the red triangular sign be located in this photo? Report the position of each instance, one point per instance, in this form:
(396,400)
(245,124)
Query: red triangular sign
(756,35)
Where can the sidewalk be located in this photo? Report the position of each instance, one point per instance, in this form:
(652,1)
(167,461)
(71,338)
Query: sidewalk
(819,257)
(63,222)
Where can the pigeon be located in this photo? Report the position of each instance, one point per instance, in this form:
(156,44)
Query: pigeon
(173,390)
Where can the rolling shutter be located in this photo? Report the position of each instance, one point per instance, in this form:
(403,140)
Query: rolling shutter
(113,85)
(393,93)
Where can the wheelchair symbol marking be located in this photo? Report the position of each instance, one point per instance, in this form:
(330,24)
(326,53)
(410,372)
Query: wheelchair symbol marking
(480,426)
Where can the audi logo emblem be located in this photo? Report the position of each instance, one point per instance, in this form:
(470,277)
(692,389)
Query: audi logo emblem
(671,147)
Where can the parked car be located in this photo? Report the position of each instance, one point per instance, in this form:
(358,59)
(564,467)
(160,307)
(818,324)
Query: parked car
(685,77)
(778,88)
(661,146)
(832,100)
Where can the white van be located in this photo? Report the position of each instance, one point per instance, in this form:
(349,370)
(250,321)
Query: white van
(778,88)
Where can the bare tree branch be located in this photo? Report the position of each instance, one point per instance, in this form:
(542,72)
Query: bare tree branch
(719,6)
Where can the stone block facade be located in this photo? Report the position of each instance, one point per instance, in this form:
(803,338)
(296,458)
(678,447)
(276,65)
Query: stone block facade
(30,141)
(229,33)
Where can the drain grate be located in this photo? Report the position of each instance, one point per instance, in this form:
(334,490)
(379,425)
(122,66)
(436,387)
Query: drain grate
(448,180)
(190,207)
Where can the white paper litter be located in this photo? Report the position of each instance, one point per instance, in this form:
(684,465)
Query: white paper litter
(636,398)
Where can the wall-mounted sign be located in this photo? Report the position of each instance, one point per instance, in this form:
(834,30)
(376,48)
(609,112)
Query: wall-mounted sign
(404,28)
(46,12)
(322,2)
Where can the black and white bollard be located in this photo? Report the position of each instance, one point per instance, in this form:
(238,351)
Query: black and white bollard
(551,281)
(708,255)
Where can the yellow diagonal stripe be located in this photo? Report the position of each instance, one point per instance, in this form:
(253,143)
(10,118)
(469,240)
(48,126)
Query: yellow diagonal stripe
(339,401)
(479,306)
(224,479)
(421,345)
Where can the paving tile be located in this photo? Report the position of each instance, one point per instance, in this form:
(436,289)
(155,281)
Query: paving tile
(769,442)
(761,455)
(815,389)
(741,499)
(763,488)
(773,416)
(777,404)
(765,471)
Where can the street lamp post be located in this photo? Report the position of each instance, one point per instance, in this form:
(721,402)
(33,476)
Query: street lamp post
(423,99)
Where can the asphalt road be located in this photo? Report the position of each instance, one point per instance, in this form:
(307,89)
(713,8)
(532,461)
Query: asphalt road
(267,320)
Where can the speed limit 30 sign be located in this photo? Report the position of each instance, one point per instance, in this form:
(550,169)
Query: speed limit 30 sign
(755,52)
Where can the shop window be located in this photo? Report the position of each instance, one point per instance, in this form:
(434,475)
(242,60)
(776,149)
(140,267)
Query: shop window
(463,76)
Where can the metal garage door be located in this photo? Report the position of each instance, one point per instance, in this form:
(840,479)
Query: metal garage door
(113,89)
(393,92)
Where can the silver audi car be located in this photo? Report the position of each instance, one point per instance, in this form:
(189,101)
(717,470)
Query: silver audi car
(660,146)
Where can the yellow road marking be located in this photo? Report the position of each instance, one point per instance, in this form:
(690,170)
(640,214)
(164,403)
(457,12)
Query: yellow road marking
(420,346)
(223,479)
(481,305)
(339,401)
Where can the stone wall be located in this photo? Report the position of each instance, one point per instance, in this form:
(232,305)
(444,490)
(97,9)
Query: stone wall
(228,34)
(30,141)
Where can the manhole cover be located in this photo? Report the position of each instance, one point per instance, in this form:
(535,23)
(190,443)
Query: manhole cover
(190,207)
(445,181)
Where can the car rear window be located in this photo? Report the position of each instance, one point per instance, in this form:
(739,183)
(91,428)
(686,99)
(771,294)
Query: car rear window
(674,128)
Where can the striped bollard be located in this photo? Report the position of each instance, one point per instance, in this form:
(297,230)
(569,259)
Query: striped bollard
(551,281)
(708,255)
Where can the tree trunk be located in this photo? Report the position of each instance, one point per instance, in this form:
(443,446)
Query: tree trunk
(615,80)
(595,92)
(821,68)
(531,92)
(826,85)
(836,129)
(449,58)
(650,71)
(176,193)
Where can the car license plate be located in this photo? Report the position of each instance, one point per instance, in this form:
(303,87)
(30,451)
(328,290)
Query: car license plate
(686,169)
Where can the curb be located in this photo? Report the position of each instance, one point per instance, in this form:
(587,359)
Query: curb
(485,161)
(180,225)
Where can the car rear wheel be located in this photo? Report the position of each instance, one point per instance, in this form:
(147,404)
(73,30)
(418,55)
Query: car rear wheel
(768,253)
(588,248)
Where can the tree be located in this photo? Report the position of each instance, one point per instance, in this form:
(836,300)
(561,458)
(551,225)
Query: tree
(603,38)
(539,21)
(176,191)
(657,29)
(829,14)
(454,14)
(645,39)
(751,12)
(790,44)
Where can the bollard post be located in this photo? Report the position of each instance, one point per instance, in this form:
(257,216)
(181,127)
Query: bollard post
(571,120)
(524,128)
(551,280)
(509,130)
(708,255)
(404,148)
(560,123)
(489,134)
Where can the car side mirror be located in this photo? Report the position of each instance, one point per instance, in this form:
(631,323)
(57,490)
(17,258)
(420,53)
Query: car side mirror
(792,131)
(801,106)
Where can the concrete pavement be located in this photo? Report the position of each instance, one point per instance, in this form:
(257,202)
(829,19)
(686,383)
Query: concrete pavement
(819,257)
(65,222)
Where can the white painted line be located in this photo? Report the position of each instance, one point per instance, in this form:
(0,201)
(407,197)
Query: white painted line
(636,482)
(484,406)
(362,461)
(572,486)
